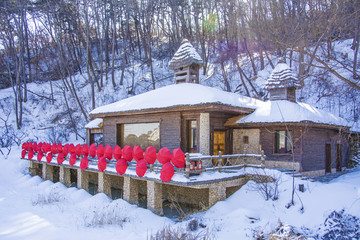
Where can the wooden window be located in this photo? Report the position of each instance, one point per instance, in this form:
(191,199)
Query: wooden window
(246,140)
(283,142)
(140,134)
(192,136)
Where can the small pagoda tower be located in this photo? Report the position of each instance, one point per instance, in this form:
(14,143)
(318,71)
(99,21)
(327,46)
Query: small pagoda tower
(282,83)
(186,64)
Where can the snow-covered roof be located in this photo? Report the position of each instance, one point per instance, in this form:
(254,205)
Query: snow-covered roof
(283,111)
(184,94)
(185,56)
(282,77)
(96,123)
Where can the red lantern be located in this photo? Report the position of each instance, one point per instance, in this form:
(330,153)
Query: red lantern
(138,153)
(44,148)
(164,155)
(39,146)
(60,158)
(30,148)
(59,147)
(78,150)
(167,172)
(71,148)
(108,152)
(102,164)
(35,147)
(54,148)
(24,146)
(40,156)
(178,158)
(127,153)
(23,153)
(117,152)
(49,157)
(150,155)
(92,150)
(100,151)
(66,150)
(85,150)
(84,163)
(141,167)
(72,159)
(30,154)
(121,166)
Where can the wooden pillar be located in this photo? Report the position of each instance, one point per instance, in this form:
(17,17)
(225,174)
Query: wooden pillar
(154,197)
(65,176)
(47,172)
(131,190)
(83,180)
(216,194)
(104,184)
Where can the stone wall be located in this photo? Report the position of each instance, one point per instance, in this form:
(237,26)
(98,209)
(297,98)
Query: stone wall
(253,145)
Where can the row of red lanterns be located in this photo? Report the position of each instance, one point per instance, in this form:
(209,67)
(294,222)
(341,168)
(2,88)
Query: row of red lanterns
(122,156)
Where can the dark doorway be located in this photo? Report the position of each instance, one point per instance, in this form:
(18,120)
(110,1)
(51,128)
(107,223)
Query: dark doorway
(73,177)
(328,158)
(338,158)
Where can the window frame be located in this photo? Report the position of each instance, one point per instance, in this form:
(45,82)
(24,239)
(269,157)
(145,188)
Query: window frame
(122,134)
(288,148)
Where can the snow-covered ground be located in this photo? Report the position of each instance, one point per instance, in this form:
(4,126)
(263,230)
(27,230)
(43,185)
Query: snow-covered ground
(32,208)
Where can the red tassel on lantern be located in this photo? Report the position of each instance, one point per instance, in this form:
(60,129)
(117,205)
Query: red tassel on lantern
(84,163)
(60,158)
(72,159)
(117,152)
(40,156)
(178,158)
(127,153)
(164,155)
(49,157)
(167,172)
(102,164)
(23,153)
(138,153)
(141,167)
(121,166)
(150,155)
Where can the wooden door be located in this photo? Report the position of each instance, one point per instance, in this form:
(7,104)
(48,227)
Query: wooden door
(328,158)
(338,158)
(219,142)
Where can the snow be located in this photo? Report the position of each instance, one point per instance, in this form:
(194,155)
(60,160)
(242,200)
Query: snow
(283,111)
(282,77)
(96,123)
(178,95)
(32,208)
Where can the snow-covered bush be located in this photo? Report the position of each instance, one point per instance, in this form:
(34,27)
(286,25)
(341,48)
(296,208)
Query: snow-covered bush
(110,214)
(47,196)
(340,225)
(266,184)
(169,232)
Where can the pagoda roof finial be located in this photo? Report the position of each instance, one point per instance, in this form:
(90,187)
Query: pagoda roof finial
(185,56)
(282,77)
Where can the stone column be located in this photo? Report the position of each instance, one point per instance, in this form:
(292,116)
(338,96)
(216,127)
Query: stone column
(104,184)
(131,190)
(33,168)
(65,175)
(154,197)
(83,180)
(204,137)
(47,172)
(217,193)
